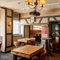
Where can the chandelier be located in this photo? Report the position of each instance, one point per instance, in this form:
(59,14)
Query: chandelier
(34,3)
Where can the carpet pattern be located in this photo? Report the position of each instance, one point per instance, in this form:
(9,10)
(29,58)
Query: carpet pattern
(8,56)
(55,56)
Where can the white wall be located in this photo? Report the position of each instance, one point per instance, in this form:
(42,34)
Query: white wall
(0,22)
(2,28)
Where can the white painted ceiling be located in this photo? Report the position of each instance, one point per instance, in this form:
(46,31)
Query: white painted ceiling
(21,6)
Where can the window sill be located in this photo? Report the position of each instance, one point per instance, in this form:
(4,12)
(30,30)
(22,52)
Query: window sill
(16,35)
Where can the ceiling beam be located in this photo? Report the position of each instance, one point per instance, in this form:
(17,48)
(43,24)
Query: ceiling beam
(34,24)
(55,18)
(40,20)
(43,17)
(48,19)
(26,20)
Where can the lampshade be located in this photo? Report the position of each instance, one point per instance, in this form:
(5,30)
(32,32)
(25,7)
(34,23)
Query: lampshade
(28,2)
(42,3)
(35,13)
(35,3)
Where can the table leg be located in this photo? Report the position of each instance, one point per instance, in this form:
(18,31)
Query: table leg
(26,59)
(48,47)
(14,57)
(30,59)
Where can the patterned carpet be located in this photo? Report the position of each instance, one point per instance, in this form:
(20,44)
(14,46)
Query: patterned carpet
(8,56)
(55,56)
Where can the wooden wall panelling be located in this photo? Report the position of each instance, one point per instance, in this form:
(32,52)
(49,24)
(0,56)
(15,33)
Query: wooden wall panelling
(9,38)
(34,32)
(26,31)
(8,29)
(9,12)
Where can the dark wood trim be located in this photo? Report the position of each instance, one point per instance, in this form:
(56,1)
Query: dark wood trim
(19,16)
(7,51)
(44,17)
(55,18)
(40,20)
(24,31)
(51,27)
(3,7)
(5,28)
(34,24)
(49,16)
(9,46)
(12,28)
(48,20)
(8,33)
(54,21)
(9,16)
(26,20)
(29,31)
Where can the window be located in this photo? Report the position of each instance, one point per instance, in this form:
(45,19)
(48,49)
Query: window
(15,27)
(37,27)
(22,30)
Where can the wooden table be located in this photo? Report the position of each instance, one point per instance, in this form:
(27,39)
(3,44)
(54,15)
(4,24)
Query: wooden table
(25,39)
(46,38)
(47,44)
(27,51)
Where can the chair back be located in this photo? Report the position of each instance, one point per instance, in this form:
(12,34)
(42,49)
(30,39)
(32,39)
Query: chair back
(31,42)
(16,43)
(43,55)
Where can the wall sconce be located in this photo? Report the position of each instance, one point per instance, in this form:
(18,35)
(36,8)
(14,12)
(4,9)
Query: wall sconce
(9,24)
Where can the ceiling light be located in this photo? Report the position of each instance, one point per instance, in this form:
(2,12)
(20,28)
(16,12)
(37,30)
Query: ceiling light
(34,3)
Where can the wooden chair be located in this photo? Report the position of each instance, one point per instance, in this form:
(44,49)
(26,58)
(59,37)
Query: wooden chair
(55,47)
(16,43)
(29,42)
(43,55)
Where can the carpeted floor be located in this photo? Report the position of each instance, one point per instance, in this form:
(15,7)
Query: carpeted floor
(8,56)
(55,56)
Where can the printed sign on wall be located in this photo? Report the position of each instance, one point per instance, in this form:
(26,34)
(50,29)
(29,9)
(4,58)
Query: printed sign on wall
(44,30)
(44,34)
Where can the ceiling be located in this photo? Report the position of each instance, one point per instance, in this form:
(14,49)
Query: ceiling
(21,7)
